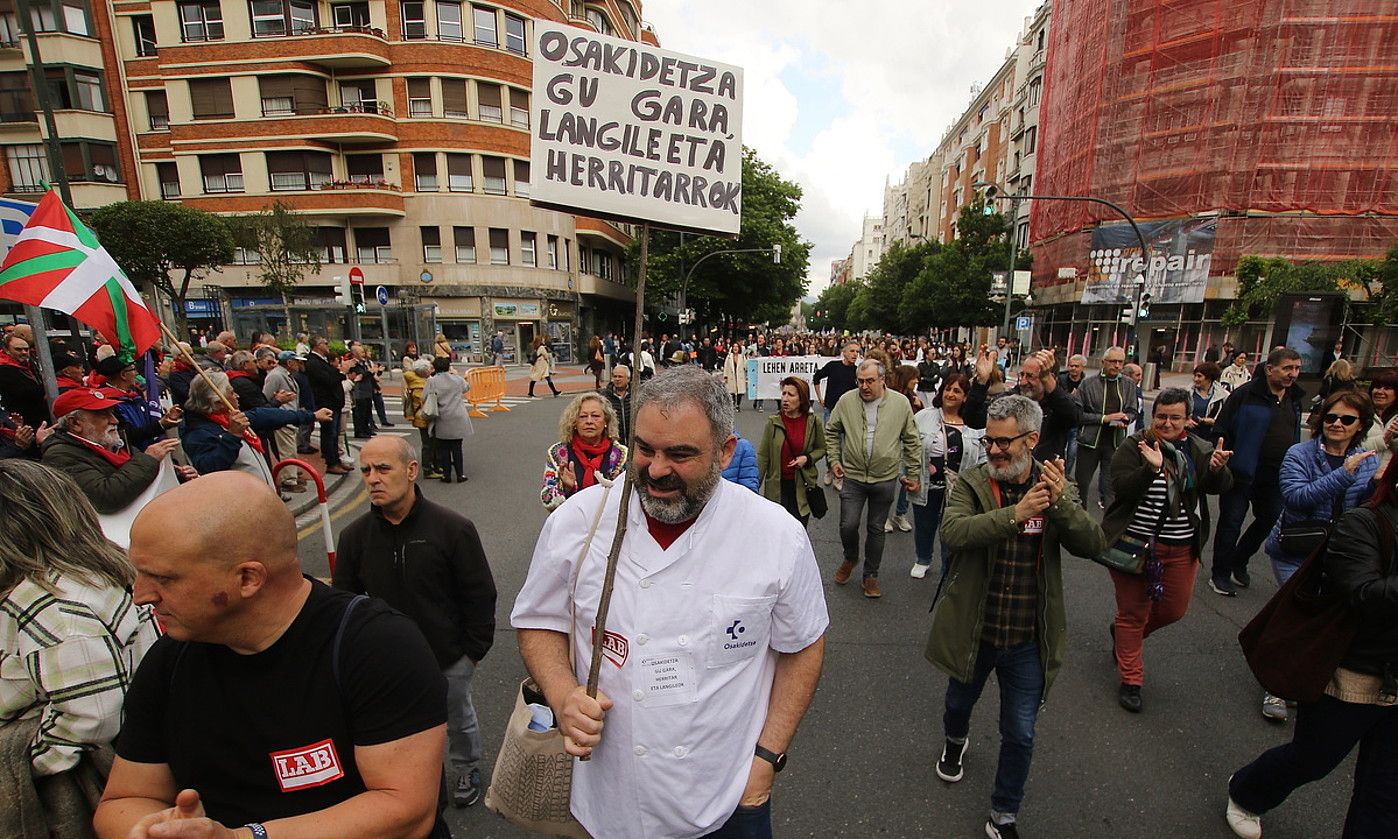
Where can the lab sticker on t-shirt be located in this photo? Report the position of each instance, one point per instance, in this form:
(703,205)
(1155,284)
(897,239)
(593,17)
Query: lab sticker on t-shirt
(667,680)
(1033,526)
(308,766)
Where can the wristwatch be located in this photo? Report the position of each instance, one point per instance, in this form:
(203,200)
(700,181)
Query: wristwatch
(778,761)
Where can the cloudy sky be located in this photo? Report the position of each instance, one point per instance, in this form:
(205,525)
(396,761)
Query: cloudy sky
(840,95)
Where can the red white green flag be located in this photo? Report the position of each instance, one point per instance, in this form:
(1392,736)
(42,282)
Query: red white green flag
(57,263)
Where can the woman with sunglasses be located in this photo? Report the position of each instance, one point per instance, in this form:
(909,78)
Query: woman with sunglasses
(1159,478)
(1320,479)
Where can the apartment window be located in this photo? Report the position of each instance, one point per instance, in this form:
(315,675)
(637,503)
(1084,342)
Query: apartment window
(414,14)
(168,174)
(454,98)
(372,244)
(499,246)
(246,254)
(331,241)
(493,169)
(16,99)
(360,95)
(221,173)
(90,162)
(74,88)
(528,248)
(350,16)
(158,106)
(465,241)
(1040,47)
(519,108)
(431,244)
(211,98)
(200,20)
(1031,137)
(425,171)
(567,257)
(291,93)
(75,17)
(364,168)
(585,259)
(459,172)
(599,21)
(298,170)
(551,246)
(143,26)
(522,178)
(29,168)
(449,21)
(489,96)
(514,34)
(10,31)
(629,15)
(420,97)
(1036,91)
(483,21)
(279,17)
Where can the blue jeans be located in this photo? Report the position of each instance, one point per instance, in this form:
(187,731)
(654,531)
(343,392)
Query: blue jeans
(1233,547)
(1326,732)
(747,823)
(1070,460)
(1021,677)
(926,519)
(463,730)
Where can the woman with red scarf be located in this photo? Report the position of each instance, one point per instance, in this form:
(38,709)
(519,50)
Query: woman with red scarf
(216,439)
(586,446)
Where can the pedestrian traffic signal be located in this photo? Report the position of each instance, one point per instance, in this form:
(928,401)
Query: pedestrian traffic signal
(1144,310)
(357,297)
(1128,314)
(342,291)
(777,254)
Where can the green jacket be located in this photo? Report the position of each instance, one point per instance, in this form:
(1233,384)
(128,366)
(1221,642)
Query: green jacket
(1131,477)
(895,435)
(769,459)
(971,528)
(108,488)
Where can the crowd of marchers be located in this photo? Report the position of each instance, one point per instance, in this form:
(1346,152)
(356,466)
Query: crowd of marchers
(203,685)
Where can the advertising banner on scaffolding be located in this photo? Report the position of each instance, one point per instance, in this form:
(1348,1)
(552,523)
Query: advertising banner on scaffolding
(1178,271)
(626,130)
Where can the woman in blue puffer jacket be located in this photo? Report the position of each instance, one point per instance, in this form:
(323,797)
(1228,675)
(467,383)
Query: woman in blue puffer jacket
(742,469)
(1321,478)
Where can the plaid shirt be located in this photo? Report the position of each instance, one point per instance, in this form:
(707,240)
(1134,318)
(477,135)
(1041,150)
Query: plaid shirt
(1011,608)
(68,660)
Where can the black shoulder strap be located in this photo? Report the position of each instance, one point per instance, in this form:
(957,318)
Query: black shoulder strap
(340,635)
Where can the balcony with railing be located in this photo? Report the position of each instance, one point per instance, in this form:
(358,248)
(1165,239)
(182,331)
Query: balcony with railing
(365,121)
(334,47)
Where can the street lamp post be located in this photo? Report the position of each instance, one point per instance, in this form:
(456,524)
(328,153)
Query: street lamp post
(775,251)
(992,192)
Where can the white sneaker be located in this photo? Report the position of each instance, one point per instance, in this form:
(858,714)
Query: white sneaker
(919,570)
(1243,823)
(902,523)
(888,525)
(1273,708)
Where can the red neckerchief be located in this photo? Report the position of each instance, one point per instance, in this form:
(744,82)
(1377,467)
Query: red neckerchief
(117,458)
(7,360)
(96,380)
(238,374)
(665,533)
(64,383)
(248,437)
(591,456)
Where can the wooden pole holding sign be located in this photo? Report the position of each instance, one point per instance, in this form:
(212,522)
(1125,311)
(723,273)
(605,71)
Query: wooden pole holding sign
(200,370)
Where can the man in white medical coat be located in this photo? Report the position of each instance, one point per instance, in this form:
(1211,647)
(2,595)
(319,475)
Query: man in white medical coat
(713,643)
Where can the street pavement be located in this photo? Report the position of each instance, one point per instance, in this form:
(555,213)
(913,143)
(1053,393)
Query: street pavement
(862,763)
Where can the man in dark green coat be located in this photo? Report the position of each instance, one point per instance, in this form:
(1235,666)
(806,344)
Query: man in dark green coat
(1001,605)
(86,446)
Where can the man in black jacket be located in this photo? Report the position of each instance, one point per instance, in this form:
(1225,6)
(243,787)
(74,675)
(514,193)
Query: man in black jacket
(1037,381)
(329,393)
(619,394)
(427,562)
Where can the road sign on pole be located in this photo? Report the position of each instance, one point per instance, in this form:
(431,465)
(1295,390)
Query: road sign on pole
(382,294)
(1024,324)
(356,276)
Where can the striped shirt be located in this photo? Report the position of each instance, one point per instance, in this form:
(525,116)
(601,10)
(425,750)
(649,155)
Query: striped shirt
(1146,524)
(67,660)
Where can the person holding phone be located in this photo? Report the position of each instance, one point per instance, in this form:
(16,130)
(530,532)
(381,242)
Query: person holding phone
(1159,479)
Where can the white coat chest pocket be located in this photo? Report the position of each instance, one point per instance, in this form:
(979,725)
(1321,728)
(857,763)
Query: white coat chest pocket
(742,628)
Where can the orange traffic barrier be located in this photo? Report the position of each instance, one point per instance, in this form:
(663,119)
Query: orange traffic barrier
(487,385)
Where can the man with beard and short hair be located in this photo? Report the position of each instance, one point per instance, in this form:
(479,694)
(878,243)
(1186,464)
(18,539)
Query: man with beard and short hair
(87,447)
(713,643)
(1037,381)
(1001,607)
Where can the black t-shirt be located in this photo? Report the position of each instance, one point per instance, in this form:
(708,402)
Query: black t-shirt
(839,380)
(1281,433)
(269,735)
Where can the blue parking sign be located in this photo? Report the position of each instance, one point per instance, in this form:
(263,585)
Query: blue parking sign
(1023,324)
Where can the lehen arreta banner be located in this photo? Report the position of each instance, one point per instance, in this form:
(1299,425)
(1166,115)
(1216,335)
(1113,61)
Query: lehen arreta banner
(626,130)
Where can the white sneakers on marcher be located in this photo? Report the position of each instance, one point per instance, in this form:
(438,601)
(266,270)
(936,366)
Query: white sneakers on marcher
(1243,823)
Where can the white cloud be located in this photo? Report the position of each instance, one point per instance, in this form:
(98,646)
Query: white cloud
(842,96)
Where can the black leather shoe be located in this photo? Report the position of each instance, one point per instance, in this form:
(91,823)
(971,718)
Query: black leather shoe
(1129,697)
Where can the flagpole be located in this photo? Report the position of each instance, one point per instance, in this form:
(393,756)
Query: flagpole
(41,347)
(192,363)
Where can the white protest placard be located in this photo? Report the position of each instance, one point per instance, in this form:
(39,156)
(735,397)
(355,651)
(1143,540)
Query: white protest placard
(628,130)
(765,374)
(117,526)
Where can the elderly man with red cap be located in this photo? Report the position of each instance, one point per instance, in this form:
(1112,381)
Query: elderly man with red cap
(87,446)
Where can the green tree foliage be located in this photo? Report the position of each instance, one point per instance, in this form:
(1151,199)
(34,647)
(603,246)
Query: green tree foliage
(833,307)
(881,297)
(748,286)
(164,244)
(1263,280)
(284,243)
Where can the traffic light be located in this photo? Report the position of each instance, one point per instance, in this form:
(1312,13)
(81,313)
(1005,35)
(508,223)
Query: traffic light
(357,296)
(1128,314)
(1144,311)
(777,254)
(342,291)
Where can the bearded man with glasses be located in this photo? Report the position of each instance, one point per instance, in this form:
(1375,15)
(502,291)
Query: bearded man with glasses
(1001,605)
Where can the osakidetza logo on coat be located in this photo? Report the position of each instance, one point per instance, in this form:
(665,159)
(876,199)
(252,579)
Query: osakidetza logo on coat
(307,766)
